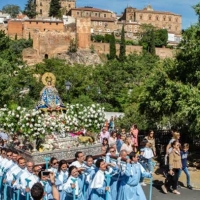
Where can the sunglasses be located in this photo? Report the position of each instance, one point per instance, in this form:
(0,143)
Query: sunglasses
(37,170)
(55,163)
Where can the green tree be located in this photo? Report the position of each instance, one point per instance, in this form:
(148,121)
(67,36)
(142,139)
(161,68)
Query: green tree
(112,47)
(55,8)
(122,51)
(73,46)
(11,9)
(148,38)
(161,37)
(197,10)
(30,9)
(152,49)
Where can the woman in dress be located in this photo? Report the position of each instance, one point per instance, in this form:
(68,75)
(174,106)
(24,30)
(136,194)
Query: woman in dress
(127,145)
(151,140)
(134,132)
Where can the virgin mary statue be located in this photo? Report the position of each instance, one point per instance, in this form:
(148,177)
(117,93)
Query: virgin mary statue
(49,98)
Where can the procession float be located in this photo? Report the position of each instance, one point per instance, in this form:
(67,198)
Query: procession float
(53,129)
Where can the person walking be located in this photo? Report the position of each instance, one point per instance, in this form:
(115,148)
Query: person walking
(174,167)
(184,155)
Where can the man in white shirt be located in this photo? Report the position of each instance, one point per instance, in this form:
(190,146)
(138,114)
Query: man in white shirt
(8,176)
(79,163)
(21,182)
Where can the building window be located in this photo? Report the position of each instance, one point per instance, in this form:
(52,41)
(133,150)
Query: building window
(40,3)
(170,19)
(69,6)
(140,16)
(149,17)
(87,13)
(176,19)
(104,15)
(41,11)
(157,18)
(164,18)
(100,23)
(77,13)
(131,17)
(170,27)
(96,14)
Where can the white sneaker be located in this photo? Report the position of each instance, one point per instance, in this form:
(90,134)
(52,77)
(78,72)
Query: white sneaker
(143,184)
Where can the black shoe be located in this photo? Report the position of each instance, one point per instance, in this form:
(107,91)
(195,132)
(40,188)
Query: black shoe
(190,187)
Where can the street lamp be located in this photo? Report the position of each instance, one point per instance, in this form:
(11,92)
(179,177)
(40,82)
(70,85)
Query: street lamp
(68,85)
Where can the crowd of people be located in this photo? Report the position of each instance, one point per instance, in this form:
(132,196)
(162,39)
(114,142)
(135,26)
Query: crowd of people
(117,174)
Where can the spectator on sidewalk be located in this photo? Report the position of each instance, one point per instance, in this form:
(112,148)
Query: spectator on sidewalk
(174,166)
(184,156)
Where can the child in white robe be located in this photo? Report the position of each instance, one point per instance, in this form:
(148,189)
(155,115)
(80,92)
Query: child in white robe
(89,172)
(62,177)
(99,184)
(74,185)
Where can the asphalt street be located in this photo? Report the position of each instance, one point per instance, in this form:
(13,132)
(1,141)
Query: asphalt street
(186,194)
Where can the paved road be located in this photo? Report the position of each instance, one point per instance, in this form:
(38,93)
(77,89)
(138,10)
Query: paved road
(186,194)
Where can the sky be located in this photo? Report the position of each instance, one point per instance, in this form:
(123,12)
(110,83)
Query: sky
(182,7)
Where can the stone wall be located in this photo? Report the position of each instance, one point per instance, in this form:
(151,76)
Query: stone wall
(33,26)
(49,44)
(83,29)
(15,28)
(104,48)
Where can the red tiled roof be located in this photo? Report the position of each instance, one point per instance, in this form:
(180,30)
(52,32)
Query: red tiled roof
(90,9)
(157,12)
(102,19)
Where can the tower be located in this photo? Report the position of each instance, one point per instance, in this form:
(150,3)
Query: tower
(42,7)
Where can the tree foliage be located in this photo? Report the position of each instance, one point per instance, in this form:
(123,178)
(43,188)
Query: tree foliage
(112,47)
(122,50)
(11,9)
(30,9)
(55,9)
(172,92)
(152,37)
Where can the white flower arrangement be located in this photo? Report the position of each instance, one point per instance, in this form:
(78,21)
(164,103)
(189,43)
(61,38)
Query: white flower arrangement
(34,123)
